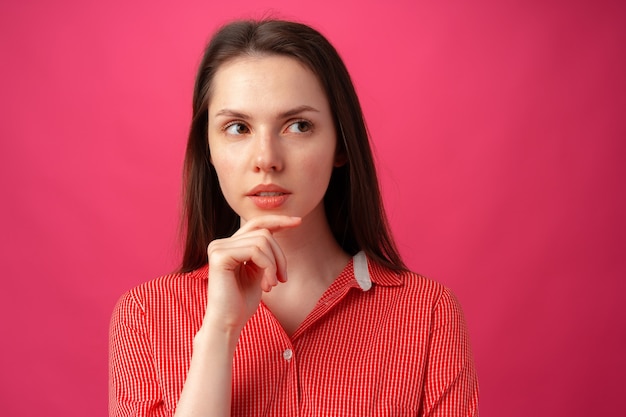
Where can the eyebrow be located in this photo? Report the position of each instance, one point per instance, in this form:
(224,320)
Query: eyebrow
(300,109)
(289,113)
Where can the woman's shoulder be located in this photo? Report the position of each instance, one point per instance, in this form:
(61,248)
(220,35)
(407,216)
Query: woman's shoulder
(166,288)
(404,280)
(412,285)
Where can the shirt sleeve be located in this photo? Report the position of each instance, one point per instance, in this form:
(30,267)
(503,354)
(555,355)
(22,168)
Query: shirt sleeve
(451,385)
(133,385)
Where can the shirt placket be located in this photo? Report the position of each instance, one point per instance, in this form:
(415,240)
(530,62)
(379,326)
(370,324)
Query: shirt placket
(333,296)
(286,395)
(291,381)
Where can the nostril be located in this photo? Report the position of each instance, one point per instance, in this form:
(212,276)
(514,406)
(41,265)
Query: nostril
(268,161)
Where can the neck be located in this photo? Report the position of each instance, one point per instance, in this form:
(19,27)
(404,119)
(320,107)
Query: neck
(311,250)
(314,260)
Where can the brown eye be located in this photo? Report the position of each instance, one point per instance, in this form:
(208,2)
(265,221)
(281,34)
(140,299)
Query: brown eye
(301,126)
(237,129)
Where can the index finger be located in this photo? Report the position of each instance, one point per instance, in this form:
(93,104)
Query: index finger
(272,222)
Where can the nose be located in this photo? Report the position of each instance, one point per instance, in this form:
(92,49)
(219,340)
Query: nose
(267,152)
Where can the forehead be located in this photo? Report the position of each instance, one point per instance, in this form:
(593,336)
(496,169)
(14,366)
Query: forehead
(265,82)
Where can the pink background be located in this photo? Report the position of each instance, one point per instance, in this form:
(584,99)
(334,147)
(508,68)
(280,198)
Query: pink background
(499,128)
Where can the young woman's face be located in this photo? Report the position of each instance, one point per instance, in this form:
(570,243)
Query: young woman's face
(271,137)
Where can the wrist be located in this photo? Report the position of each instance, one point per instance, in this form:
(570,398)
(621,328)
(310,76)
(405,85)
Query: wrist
(212,335)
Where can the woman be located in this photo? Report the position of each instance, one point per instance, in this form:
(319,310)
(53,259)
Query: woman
(305,306)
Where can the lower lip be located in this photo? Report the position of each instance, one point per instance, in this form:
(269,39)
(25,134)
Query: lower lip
(269,202)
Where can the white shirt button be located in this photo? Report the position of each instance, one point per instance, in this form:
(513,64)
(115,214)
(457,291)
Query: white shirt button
(287,354)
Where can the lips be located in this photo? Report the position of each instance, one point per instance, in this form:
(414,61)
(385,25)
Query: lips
(268,196)
(267,190)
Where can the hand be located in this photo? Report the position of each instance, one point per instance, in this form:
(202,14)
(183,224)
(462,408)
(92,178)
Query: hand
(241,267)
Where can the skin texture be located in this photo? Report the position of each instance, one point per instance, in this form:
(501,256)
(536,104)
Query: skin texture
(270,122)
(270,131)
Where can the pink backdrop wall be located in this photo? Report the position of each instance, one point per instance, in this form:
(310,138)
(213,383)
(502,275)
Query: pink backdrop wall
(499,129)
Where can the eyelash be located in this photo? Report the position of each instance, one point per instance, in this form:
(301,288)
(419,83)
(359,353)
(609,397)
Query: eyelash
(307,123)
(234,123)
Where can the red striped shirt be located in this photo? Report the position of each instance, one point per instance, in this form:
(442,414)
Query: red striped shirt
(378,343)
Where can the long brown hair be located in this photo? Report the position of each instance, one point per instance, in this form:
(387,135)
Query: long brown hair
(352,202)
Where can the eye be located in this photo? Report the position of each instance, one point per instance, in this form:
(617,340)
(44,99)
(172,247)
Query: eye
(300,126)
(236,128)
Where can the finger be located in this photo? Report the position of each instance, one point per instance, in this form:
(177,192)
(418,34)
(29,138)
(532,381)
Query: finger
(230,253)
(261,263)
(274,248)
(272,222)
(256,252)
(233,253)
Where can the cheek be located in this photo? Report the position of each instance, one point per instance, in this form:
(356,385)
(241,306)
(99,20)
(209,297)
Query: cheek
(222,167)
(319,169)
(222,159)
(225,172)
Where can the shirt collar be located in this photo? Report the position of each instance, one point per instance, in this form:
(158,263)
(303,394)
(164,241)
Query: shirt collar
(362,272)
(367,273)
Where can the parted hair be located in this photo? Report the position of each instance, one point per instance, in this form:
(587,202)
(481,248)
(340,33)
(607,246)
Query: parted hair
(352,202)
